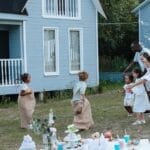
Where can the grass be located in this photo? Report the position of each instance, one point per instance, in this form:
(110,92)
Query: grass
(107,108)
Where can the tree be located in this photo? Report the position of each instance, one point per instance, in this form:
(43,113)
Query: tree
(120,29)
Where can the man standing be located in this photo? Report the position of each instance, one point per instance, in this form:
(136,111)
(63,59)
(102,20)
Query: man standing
(137,48)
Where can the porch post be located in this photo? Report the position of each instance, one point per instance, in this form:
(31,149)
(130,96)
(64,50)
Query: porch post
(24,46)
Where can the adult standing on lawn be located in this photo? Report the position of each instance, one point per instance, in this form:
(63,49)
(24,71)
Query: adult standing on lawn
(139,58)
(137,48)
(145,57)
(81,107)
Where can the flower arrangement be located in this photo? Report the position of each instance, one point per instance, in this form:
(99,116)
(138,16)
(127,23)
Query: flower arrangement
(72,139)
(71,129)
(45,127)
(42,126)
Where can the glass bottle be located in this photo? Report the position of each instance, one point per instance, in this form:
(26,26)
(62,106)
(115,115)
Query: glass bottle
(50,119)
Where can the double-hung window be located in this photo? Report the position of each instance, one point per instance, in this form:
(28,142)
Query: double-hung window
(62,8)
(51,57)
(76,50)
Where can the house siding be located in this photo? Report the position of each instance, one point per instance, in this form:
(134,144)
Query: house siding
(34,38)
(144,30)
(34,47)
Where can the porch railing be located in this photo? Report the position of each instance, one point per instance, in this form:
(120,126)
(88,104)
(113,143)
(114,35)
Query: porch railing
(10,70)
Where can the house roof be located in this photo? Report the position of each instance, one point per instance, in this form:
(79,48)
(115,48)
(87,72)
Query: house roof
(141,5)
(99,8)
(18,7)
(13,6)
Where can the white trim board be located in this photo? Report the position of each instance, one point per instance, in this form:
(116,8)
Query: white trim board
(24,46)
(56,29)
(62,17)
(6,22)
(97,50)
(81,49)
(7,16)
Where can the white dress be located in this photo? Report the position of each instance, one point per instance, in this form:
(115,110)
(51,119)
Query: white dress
(146,76)
(129,96)
(141,103)
(137,57)
(24,87)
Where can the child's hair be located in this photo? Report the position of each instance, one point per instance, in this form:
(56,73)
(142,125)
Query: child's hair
(130,76)
(24,77)
(83,76)
(146,55)
(137,71)
(136,42)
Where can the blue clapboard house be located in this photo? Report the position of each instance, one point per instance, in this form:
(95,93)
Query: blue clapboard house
(50,39)
(143,12)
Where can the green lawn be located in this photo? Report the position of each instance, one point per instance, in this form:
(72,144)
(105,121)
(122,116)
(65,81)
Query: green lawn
(107,109)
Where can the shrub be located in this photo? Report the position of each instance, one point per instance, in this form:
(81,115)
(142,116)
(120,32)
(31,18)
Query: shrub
(109,64)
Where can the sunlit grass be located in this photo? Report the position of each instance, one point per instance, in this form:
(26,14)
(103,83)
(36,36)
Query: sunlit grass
(107,108)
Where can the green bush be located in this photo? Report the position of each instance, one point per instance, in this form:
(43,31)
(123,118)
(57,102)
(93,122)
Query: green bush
(115,64)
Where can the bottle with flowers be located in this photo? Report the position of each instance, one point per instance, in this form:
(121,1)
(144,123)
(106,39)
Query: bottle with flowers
(46,128)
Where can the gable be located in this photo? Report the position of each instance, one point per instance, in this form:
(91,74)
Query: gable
(141,6)
(99,8)
(13,6)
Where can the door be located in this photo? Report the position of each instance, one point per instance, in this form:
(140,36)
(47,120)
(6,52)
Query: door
(4,53)
(4,44)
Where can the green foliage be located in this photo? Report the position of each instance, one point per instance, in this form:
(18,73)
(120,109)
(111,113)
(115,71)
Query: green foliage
(57,95)
(6,101)
(110,86)
(115,38)
(66,94)
(107,110)
(116,64)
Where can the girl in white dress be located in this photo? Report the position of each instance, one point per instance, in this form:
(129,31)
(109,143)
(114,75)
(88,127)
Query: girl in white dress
(141,103)
(145,57)
(128,94)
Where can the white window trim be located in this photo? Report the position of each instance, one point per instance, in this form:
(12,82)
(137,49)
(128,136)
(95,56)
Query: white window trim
(97,49)
(57,51)
(81,50)
(62,17)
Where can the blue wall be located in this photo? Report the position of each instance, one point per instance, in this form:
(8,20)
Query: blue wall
(145,26)
(34,45)
(34,34)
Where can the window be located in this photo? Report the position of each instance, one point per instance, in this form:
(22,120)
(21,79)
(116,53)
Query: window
(61,8)
(50,51)
(75,42)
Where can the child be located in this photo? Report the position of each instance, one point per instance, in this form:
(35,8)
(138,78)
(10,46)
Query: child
(141,103)
(128,94)
(26,102)
(81,107)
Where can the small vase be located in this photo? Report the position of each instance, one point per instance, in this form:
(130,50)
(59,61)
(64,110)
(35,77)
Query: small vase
(45,139)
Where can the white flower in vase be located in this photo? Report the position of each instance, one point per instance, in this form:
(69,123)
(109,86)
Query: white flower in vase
(53,138)
(72,138)
(51,117)
(71,129)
